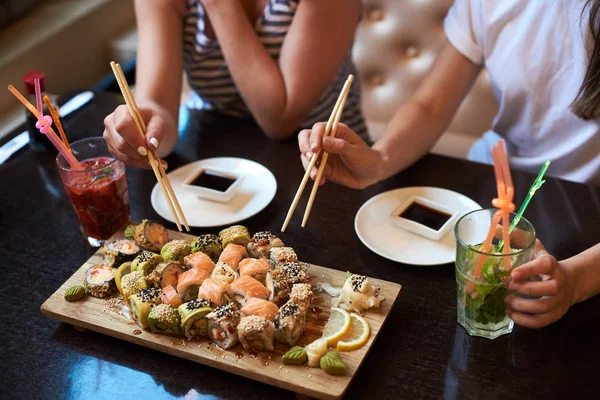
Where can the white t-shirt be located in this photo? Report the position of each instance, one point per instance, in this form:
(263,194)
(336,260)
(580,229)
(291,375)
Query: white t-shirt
(535,53)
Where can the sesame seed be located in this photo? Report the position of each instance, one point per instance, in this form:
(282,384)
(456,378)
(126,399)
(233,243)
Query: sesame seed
(309,375)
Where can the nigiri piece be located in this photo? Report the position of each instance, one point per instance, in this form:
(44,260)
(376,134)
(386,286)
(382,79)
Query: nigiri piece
(233,254)
(199,260)
(357,294)
(246,287)
(261,244)
(260,307)
(189,283)
(170,296)
(216,291)
(224,272)
(257,268)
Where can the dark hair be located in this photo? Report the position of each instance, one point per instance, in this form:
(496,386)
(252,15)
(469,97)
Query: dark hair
(587,103)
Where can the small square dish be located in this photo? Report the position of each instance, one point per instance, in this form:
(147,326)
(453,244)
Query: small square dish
(424,217)
(214,184)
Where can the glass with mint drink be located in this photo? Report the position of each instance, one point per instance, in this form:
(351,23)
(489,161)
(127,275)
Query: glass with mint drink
(480,293)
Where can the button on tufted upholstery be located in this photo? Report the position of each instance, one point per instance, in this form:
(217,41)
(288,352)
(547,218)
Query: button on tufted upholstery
(396,44)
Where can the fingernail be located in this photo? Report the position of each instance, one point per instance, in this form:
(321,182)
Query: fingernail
(154,142)
(164,165)
(308,155)
(142,150)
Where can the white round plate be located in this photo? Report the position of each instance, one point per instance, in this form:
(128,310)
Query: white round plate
(374,227)
(257,189)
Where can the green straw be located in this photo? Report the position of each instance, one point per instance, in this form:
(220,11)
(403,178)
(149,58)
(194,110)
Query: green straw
(536,185)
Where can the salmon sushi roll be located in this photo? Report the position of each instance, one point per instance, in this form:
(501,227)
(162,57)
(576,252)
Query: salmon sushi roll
(170,296)
(224,272)
(189,283)
(256,333)
(261,244)
(257,268)
(237,234)
(199,260)
(280,255)
(222,325)
(233,254)
(216,291)
(246,287)
(260,307)
(289,323)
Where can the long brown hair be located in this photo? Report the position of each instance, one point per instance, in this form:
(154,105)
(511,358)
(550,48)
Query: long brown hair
(587,103)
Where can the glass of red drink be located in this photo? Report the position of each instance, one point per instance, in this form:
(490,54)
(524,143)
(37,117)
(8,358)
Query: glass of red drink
(98,192)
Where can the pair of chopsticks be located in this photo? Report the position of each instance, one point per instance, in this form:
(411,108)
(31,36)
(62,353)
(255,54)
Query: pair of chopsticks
(154,160)
(330,130)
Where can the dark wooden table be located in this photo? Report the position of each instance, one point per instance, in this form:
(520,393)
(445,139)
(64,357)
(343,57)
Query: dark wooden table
(421,352)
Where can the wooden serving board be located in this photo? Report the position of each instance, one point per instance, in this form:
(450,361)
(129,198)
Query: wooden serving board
(111,317)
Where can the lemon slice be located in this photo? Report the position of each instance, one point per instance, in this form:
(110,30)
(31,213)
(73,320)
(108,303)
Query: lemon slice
(337,325)
(356,336)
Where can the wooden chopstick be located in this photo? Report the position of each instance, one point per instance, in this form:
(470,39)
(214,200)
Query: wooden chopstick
(134,112)
(315,156)
(321,169)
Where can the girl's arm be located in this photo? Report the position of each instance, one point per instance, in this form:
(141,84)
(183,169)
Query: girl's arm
(281,94)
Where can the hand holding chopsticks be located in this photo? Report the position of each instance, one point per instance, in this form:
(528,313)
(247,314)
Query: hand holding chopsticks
(153,159)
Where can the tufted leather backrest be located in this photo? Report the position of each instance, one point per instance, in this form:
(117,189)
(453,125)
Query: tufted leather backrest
(396,44)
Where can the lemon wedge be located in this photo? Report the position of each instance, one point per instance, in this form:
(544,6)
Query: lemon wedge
(337,325)
(356,336)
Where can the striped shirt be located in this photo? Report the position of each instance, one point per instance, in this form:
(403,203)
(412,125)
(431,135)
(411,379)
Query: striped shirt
(213,87)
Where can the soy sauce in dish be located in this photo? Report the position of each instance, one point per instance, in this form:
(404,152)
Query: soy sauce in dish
(212,180)
(424,215)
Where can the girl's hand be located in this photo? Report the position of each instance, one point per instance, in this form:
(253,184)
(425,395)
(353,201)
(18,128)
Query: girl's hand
(124,139)
(351,161)
(553,284)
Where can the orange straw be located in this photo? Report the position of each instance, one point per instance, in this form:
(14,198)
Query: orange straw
(56,118)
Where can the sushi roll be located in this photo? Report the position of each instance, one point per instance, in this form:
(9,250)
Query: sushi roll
(270,286)
(224,272)
(189,283)
(246,287)
(208,244)
(141,303)
(193,318)
(133,283)
(120,251)
(175,250)
(237,234)
(301,295)
(257,268)
(222,325)
(149,235)
(170,296)
(166,274)
(256,333)
(216,291)
(165,319)
(285,277)
(280,255)
(260,307)
(290,323)
(233,254)
(100,281)
(261,244)
(145,262)
(199,260)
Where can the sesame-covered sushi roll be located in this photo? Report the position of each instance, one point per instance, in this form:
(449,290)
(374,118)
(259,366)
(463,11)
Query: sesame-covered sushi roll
(280,255)
(260,307)
(145,262)
(285,277)
(189,283)
(193,318)
(222,325)
(216,291)
(256,333)
(261,244)
(301,295)
(141,303)
(120,251)
(208,244)
(290,323)
(175,250)
(149,235)
(100,281)
(165,319)
(232,255)
(256,268)
(224,272)
(166,274)
(246,287)
(132,283)
(237,234)
(199,260)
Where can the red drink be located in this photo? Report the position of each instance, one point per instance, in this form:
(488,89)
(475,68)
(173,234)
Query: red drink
(98,193)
